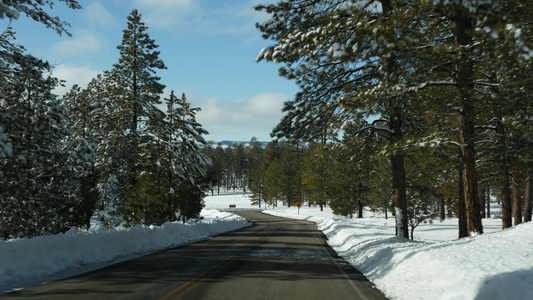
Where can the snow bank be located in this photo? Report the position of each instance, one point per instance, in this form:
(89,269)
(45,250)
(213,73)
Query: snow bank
(495,265)
(23,259)
(460,269)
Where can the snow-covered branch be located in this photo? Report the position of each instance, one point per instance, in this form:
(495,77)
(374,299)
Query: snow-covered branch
(436,83)
(453,83)
(485,83)
(376,128)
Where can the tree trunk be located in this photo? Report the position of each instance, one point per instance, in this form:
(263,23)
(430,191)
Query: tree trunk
(528,198)
(473,214)
(442,209)
(386,208)
(398,179)
(517,200)
(320,203)
(360,209)
(463,225)
(464,71)
(504,178)
(488,203)
(397,159)
(483,201)
(400,201)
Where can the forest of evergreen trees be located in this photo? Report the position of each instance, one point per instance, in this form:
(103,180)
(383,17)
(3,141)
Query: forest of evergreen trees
(105,151)
(351,174)
(447,84)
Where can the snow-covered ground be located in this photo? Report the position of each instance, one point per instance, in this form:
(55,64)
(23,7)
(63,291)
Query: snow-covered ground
(436,265)
(495,265)
(28,262)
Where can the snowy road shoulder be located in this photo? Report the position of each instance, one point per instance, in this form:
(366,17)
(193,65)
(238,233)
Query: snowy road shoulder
(32,261)
(495,265)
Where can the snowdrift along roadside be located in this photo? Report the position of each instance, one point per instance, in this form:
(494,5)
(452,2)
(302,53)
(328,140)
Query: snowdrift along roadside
(24,259)
(496,265)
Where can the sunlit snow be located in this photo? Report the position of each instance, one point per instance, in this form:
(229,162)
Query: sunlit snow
(495,265)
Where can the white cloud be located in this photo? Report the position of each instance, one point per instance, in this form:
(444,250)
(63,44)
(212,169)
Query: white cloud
(168,14)
(73,75)
(202,17)
(83,41)
(240,120)
(165,4)
(98,16)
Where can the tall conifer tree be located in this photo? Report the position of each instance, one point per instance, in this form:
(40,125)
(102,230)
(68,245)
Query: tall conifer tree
(134,90)
(38,169)
(138,89)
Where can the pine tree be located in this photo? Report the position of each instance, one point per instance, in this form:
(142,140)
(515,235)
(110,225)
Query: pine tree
(317,174)
(189,134)
(379,183)
(39,170)
(92,116)
(219,164)
(169,159)
(255,172)
(138,88)
(342,69)
(472,42)
(39,177)
(83,140)
(290,165)
(349,58)
(272,172)
(34,9)
(173,179)
(134,90)
(211,169)
(354,164)
(241,167)
(12,55)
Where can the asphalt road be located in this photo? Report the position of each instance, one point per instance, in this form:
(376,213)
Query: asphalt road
(277,258)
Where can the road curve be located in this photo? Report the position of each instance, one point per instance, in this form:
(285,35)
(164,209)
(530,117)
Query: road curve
(277,258)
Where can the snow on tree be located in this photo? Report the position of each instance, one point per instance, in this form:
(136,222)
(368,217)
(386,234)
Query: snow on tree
(133,90)
(187,134)
(171,183)
(39,169)
(472,56)
(82,143)
(396,60)
(40,187)
(317,175)
(36,9)
(346,57)
(255,173)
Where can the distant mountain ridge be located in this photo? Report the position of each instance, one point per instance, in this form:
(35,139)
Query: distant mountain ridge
(227,143)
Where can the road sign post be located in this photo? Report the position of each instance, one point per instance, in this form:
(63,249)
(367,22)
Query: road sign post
(299,204)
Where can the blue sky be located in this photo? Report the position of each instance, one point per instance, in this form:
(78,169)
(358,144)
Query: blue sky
(208,46)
